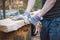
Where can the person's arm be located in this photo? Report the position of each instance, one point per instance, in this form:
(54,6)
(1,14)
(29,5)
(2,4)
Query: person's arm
(26,14)
(47,6)
(30,5)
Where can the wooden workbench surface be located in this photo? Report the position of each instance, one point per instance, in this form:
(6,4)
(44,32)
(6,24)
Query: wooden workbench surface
(23,33)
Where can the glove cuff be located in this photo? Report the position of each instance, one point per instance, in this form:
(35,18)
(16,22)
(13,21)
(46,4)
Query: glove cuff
(40,17)
(27,14)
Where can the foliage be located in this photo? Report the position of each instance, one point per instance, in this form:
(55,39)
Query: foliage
(37,6)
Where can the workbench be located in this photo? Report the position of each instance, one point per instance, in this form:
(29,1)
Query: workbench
(23,33)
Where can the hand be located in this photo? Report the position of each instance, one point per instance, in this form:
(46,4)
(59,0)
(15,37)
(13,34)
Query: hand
(26,14)
(35,19)
(24,17)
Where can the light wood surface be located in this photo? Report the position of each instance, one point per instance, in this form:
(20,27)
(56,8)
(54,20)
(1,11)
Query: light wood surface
(8,25)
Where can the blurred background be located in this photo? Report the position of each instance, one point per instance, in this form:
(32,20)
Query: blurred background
(15,7)
(19,5)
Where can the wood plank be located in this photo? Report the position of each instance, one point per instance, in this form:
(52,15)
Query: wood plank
(23,33)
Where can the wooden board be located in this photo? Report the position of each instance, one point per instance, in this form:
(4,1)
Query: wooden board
(23,33)
(8,25)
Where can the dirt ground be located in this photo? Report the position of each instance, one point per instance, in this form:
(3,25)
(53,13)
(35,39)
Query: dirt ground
(36,38)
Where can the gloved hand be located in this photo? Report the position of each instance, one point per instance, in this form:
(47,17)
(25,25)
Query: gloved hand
(35,20)
(26,14)
(24,17)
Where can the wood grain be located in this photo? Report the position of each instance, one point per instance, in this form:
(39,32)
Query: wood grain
(23,33)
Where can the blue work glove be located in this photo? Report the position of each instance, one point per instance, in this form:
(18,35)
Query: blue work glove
(27,14)
(35,19)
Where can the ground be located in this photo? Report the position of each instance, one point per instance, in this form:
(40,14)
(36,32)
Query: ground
(36,38)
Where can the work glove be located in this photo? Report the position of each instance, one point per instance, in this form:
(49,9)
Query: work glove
(26,14)
(35,20)
(24,17)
